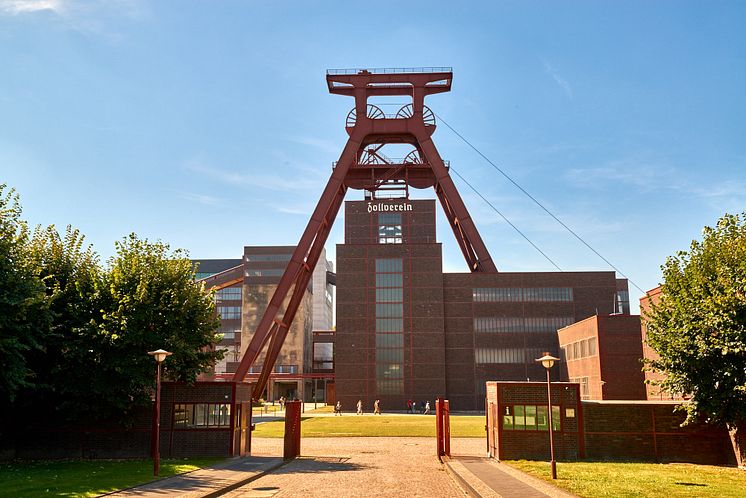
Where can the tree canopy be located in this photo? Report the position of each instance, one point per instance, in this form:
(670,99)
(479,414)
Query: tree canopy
(699,325)
(74,334)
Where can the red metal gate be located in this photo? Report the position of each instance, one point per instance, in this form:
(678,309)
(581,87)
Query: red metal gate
(443,425)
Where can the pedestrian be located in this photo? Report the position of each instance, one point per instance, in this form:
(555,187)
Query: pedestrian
(282,402)
(422,407)
(360,407)
(377,407)
(409,406)
(338,408)
(427,408)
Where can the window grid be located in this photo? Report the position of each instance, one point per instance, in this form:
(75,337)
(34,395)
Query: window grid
(518,294)
(389,228)
(584,348)
(530,418)
(229,312)
(488,356)
(505,324)
(389,325)
(202,415)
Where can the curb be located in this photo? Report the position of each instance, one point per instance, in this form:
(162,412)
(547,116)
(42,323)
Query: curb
(243,482)
(468,488)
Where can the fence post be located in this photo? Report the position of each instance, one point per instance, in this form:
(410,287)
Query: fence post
(292,430)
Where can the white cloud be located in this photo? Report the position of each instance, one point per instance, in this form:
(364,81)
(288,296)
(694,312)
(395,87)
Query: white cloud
(262,180)
(206,200)
(16,7)
(563,83)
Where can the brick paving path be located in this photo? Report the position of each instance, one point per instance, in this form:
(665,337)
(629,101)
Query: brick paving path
(359,466)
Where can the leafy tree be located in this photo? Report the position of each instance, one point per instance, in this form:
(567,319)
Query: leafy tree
(63,365)
(23,305)
(699,327)
(151,301)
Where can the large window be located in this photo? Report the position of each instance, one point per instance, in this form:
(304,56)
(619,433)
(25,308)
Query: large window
(502,324)
(578,350)
(486,356)
(265,272)
(517,294)
(202,415)
(268,257)
(389,326)
(229,312)
(228,294)
(389,228)
(530,418)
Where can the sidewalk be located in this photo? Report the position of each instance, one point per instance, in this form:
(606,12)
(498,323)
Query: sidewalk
(207,482)
(487,478)
(394,467)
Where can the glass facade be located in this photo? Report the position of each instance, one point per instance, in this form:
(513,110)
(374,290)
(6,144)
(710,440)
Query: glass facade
(389,228)
(517,294)
(502,324)
(389,325)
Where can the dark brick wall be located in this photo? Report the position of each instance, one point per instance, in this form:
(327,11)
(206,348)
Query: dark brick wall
(603,430)
(134,441)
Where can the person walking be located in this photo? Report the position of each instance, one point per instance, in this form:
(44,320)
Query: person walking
(360,407)
(377,407)
(427,408)
(338,408)
(409,406)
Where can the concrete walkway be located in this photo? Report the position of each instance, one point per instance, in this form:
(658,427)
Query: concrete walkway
(355,466)
(210,481)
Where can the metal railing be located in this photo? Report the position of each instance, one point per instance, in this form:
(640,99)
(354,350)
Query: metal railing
(394,162)
(390,70)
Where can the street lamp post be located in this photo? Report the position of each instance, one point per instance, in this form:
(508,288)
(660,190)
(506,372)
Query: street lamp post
(159,356)
(547,361)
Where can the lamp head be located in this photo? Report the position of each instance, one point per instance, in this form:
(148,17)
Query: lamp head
(547,361)
(159,355)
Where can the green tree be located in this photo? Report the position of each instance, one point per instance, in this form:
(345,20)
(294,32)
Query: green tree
(72,342)
(151,301)
(23,305)
(699,327)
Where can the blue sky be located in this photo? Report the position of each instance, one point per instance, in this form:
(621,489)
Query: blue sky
(208,124)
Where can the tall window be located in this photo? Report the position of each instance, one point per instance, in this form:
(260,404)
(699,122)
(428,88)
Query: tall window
(389,326)
(389,228)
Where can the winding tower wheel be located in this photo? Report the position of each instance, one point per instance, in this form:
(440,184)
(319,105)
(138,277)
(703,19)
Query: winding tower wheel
(428,116)
(372,112)
(357,168)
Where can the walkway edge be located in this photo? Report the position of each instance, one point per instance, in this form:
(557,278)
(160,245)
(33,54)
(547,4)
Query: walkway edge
(243,482)
(458,473)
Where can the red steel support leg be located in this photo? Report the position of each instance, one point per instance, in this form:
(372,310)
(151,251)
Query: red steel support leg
(465,229)
(299,257)
(301,283)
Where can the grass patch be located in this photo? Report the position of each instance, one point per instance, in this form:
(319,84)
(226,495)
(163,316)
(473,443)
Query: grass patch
(376,426)
(86,477)
(592,479)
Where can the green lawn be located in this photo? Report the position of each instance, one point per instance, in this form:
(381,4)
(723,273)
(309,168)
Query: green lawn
(593,479)
(85,477)
(372,426)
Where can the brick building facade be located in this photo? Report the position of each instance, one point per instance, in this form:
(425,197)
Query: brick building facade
(406,330)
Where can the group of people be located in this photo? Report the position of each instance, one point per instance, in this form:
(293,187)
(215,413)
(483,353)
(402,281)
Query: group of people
(424,407)
(376,407)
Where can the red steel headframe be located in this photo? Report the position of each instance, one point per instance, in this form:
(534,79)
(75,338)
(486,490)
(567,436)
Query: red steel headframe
(360,166)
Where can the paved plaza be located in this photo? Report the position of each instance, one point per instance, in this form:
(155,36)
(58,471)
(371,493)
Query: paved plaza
(355,467)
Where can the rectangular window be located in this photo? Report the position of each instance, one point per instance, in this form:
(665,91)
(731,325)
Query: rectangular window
(268,257)
(229,312)
(228,294)
(265,272)
(202,415)
(513,294)
(530,418)
(389,321)
(389,228)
